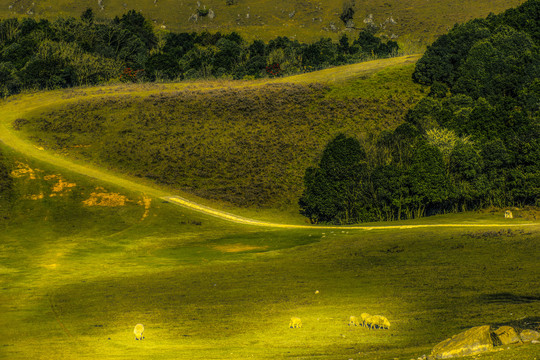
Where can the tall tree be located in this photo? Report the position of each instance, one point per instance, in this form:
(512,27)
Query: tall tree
(335,189)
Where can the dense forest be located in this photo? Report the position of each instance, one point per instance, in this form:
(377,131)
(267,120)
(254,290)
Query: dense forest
(71,52)
(472,142)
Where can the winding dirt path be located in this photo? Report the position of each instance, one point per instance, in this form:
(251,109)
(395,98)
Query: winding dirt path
(20,106)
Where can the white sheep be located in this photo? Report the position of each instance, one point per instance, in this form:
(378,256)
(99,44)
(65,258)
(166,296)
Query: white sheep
(378,322)
(295,323)
(370,322)
(353,320)
(138,331)
(364,316)
(385,324)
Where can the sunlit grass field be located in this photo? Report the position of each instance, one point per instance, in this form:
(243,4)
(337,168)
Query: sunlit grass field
(76,279)
(87,252)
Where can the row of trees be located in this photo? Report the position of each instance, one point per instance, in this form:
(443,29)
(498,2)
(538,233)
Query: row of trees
(472,142)
(70,52)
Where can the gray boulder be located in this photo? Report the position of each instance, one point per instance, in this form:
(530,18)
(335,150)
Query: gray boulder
(472,341)
(507,335)
(529,335)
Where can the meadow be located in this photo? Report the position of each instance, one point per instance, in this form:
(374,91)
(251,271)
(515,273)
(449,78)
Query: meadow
(88,251)
(76,279)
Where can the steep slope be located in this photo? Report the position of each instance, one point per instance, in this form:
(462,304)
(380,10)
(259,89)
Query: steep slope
(417,21)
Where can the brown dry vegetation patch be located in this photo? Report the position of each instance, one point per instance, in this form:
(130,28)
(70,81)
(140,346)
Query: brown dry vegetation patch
(102,198)
(24,170)
(233,248)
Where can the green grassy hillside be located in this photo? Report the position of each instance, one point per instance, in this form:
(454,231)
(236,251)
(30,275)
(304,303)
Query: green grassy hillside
(246,143)
(413,22)
(82,262)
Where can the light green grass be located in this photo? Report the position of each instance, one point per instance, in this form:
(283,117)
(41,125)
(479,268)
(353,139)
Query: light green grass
(174,273)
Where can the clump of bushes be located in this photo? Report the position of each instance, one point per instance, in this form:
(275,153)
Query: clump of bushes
(72,52)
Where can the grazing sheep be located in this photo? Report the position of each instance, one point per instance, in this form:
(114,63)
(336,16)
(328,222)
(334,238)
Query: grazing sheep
(370,322)
(353,320)
(364,316)
(138,331)
(295,323)
(385,322)
(378,322)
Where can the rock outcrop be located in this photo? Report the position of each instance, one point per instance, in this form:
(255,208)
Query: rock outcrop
(473,341)
(507,335)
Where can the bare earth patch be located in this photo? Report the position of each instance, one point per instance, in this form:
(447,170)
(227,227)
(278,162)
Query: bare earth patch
(233,248)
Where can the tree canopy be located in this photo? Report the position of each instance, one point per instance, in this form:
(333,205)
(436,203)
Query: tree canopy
(473,141)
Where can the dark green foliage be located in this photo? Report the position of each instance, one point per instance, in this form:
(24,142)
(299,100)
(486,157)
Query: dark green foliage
(442,59)
(370,44)
(48,73)
(430,186)
(163,66)
(84,51)
(482,118)
(9,81)
(484,77)
(88,16)
(335,188)
(391,192)
(135,23)
(499,66)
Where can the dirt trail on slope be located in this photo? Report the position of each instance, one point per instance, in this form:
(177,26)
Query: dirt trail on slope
(19,106)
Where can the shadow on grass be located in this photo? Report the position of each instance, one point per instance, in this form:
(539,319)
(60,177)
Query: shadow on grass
(508,298)
(532,323)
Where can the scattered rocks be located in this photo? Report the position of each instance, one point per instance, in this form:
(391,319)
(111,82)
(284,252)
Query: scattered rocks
(473,341)
(529,335)
(369,20)
(507,335)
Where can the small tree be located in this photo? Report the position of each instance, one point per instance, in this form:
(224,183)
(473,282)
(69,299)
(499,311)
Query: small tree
(88,16)
(348,11)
